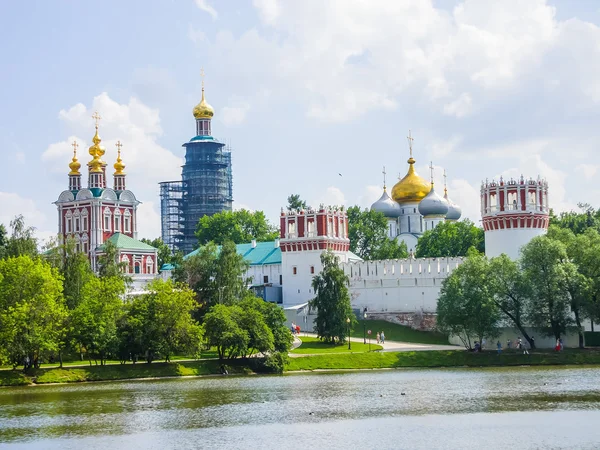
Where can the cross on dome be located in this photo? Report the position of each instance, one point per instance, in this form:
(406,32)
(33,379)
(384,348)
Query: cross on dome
(431,170)
(410,142)
(96,118)
(383,172)
(75,146)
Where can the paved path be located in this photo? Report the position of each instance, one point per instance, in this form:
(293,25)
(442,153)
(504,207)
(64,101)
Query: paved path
(391,346)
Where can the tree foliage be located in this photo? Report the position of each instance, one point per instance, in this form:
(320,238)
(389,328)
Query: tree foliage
(451,239)
(237,226)
(368,234)
(466,306)
(296,203)
(21,241)
(32,311)
(577,222)
(332,301)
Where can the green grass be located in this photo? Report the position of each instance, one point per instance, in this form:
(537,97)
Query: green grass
(401,333)
(446,358)
(123,372)
(312,345)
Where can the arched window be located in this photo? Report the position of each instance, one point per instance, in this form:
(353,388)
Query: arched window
(125,260)
(127,221)
(68,222)
(76,222)
(84,221)
(149,265)
(107,215)
(117,221)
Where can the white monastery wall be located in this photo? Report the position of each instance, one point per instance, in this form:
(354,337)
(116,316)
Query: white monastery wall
(257,274)
(398,286)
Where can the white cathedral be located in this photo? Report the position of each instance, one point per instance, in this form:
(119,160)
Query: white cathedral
(414,206)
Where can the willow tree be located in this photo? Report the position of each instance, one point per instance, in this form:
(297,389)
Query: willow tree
(332,301)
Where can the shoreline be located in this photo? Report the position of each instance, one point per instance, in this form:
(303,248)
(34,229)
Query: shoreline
(323,363)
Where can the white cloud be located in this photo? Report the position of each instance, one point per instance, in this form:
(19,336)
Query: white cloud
(12,205)
(460,107)
(588,170)
(370,195)
(332,196)
(138,127)
(195,35)
(204,6)
(269,10)
(234,115)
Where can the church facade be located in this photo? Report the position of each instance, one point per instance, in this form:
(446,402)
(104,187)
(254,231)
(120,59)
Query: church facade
(98,213)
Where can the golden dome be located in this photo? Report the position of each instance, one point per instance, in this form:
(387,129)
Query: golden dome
(119,166)
(411,188)
(96,151)
(74,165)
(203,110)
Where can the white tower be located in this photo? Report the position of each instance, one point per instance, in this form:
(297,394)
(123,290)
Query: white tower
(513,213)
(304,235)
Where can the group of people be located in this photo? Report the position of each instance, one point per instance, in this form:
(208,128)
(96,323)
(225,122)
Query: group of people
(380,337)
(559,345)
(295,329)
(519,345)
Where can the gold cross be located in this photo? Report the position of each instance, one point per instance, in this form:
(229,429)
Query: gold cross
(383,172)
(119,145)
(444,178)
(202,75)
(75,146)
(96,117)
(410,142)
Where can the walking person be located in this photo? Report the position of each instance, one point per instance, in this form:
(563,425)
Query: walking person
(382,337)
(499,347)
(378,337)
(508,343)
(560,343)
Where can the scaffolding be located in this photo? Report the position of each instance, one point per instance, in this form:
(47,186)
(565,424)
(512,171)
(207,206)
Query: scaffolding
(171,196)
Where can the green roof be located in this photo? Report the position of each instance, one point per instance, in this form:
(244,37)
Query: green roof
(122,241)
(263,253)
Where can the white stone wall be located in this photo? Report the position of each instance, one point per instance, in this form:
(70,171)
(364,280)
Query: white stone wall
(509,241)
(257,274)
(398,286)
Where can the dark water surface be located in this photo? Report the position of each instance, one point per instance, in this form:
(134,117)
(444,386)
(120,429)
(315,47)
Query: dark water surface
(521,408)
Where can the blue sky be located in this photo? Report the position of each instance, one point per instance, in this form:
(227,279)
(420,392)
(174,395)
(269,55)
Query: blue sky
(302,91)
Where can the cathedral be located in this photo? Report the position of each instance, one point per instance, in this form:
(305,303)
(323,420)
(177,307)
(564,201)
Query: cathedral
(414,206)
(97,214)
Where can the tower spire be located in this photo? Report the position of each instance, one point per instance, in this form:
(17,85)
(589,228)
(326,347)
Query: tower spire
(74,174)
(203,113)
(383,172)
(410,144)
(445,184)
(119,175)
(431,171)
(96,165)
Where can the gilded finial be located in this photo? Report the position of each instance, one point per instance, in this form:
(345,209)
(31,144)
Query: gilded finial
(203,110)
(74,165)
(119,166)
(383,172)
(431,171)
(445,183)
(410,144)
(202,76)
(96,150)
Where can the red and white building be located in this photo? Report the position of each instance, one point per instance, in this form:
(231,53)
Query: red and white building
(95,214)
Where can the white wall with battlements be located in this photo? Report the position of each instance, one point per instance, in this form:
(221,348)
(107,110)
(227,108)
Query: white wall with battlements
(398,286)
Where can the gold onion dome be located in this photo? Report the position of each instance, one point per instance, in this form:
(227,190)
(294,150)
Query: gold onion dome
(75,165)
(411,188)
(119,166)
(96,151)
(203,110)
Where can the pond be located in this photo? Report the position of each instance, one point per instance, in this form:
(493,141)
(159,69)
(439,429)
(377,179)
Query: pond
(413,409)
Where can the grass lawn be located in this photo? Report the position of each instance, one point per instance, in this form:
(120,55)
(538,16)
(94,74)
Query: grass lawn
(395,332)
(446,358)
(312,345)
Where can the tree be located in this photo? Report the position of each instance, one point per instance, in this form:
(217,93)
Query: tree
(466,306)
(32,310)
(3,238)
(216,275)
(164,254)
(368,234)
(95,318)
(161,321)
(296,203)
(21,241)
(450,239)
(542,263)
(332,301)
(577,222)
(222,331)
(238,226)
(511,292)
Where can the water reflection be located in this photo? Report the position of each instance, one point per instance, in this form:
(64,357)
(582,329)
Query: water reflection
(43,416)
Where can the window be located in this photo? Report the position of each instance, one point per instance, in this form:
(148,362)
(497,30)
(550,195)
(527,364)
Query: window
(295,270)
(85,247)
(125,260)
(414,210)
(311,228)
(68,225)
(292,229)
(117,223)
(149,265)
(127,222)
(84,220)
(136,267)
(312,269)
(265,279)
(107,222)
(76,224)
(532,199)
(493,204)
(281,279)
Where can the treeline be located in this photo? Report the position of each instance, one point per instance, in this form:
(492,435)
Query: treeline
(52,305)
(553,286)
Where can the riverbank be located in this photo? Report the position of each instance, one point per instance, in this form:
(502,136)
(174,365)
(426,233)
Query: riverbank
(335,361)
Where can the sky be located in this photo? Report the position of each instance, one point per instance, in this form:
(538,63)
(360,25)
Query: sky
(314,97)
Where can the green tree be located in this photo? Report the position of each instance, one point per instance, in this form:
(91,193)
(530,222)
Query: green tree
(95,318)
(296,203)
(165,256)
(3,238)
(466,306)
(368,234)
(511,292)
(451,239)
(109,264)
(237,226)
(332,301)
(21,241)
(577,222)
(542,261)
(32,310)
(222,330)
(161,320)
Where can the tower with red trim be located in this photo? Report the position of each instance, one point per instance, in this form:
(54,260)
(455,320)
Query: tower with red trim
(93,215)
(304,235)
(513,212)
